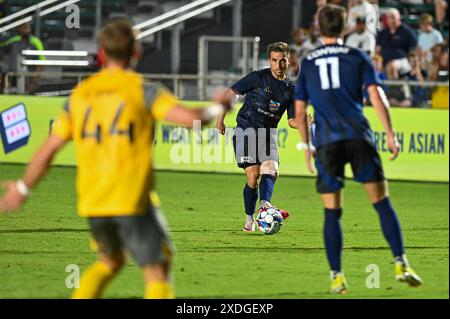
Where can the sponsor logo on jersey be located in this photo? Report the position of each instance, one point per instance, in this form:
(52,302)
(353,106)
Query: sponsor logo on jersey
(274,105)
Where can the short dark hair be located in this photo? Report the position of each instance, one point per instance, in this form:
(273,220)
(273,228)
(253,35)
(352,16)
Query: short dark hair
(278,47)
(332,19)
(361,19)
(118,40)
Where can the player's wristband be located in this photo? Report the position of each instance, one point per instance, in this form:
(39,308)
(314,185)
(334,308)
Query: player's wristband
(304,147)
(212,111)
(22,188)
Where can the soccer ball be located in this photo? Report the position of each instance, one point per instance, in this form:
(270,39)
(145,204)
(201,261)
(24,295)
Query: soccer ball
(269,220)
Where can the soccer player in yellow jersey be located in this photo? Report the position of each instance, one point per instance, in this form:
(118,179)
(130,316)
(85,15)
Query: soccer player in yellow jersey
(111,118)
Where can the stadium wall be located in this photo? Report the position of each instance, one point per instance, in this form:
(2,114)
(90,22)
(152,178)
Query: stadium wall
(423,135)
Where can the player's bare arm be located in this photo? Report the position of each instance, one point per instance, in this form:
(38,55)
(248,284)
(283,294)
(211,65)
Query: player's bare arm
(381,105)
(220,124)
(301,119)
(17,191)
(186,116)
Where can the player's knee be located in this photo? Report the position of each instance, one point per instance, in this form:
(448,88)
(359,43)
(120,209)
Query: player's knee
(156,272)
(115,262)
(269,168)
(252,178)
(377,191)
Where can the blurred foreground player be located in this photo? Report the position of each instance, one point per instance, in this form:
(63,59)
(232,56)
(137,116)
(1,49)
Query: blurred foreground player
(111,118)
(268,94)
(332,78)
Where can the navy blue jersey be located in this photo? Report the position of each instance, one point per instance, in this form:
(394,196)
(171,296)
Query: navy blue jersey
(266,100)
(333,79)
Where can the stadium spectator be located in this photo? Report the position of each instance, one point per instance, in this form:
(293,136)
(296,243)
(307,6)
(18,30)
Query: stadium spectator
(428,38)
(362,38)
(439,66)
(417,95)
(311,42)
(377,61)
(417,73)
(303,41)
(294,65)
(298,36)
(363,8)
(14,46)
(411,95)
(319,4)
(394,44)
(441,7)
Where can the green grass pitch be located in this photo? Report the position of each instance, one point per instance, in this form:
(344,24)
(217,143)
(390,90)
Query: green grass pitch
(215,259)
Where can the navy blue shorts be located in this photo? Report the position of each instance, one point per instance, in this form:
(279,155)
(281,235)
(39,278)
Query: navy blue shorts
(256,148)
(332,158)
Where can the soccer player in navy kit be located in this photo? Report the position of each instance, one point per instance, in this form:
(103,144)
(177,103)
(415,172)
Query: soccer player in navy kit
(268,94)
(332,78)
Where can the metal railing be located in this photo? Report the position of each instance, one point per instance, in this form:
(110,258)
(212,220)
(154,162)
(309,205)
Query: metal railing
(184,86)
(178,83)
(247,55)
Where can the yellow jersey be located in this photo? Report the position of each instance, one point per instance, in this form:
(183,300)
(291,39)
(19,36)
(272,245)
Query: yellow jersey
(110,117)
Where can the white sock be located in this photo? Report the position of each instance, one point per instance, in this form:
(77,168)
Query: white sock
(402,259)
(249,219)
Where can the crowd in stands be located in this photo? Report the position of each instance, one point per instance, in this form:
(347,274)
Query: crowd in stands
(398,50)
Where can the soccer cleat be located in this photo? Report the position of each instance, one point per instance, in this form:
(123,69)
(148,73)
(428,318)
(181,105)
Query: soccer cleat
(338,284)
(284,213)
(250,227)
(265,204)
(404,273)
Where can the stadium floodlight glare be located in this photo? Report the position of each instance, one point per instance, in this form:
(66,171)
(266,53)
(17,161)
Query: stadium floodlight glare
(182,18)
(55,62)
(55,53)
(57,7)
(26,10)
(171,14)
(15,24)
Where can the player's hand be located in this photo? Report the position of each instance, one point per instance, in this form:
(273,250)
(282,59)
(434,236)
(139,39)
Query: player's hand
(220,126)
(309,153)
(393,145)
(223,96)
(12,200)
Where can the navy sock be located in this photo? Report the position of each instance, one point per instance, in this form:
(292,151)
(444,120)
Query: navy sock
(266,187)
(250,199)
(390,226)
(333,238)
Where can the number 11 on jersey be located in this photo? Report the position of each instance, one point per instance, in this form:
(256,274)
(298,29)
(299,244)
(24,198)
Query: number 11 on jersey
(324,75)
